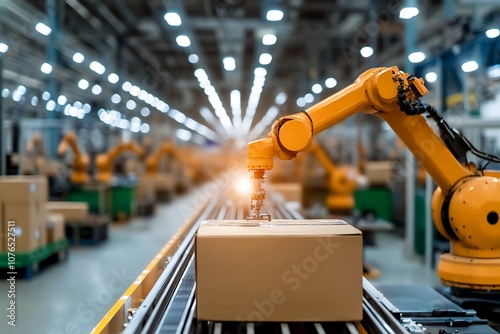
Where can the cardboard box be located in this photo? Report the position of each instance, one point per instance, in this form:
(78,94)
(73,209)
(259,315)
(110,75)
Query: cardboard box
(279,270)
(379,173)
(3,231)
(27,230)
(55,227)
(42,221)
(24,188)
(72,211)
(164,182)
(146,189)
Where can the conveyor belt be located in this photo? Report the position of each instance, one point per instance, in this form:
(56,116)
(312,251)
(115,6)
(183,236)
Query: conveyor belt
(170,306)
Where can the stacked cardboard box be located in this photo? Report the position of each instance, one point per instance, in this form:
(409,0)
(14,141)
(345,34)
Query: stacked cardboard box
(55,227)
(22,201)
(146,189)
(379,173)
(74,212)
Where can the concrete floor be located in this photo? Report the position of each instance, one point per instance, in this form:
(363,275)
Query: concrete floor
(73,296)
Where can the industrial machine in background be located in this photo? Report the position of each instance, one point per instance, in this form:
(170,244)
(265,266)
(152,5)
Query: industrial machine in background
(465,204)
(176,175)
(342,182)
(104,161)
(123,190)
(79,168)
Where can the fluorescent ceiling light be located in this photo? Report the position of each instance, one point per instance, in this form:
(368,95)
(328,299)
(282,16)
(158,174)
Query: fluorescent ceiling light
(173,19)
(126,86)
(78,58)
(470,66)
(301,102)
(494,71)
(280,98)
(416,57)
(113,78)
(96,89)
(142,95)
(80,114)
(51,105)
(43,29)
(235,99)
(115,98)
(308,98)
(16,96)
(269,39)
(229,63)
(431,77)
(135,91)
(83,84)
(256,90)
(330,83)
(4,47)
(259,81)
(183,134)
(492,33)
(62,99)
(131,104)
(145,128)
(191,124)
(260,72)
(200,74)
(366,51)
(183,41)
(46,68)
(274,15)
(265,59)
(21,89)
(97,67)
(408,12)
(209,90)
(317,88)
(193,58)
(150,99)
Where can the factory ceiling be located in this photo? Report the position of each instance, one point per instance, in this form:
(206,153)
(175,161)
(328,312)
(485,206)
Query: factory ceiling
(194,57)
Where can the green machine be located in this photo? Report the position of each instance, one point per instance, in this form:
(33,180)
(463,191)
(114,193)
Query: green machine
(123,201)
(375,201)
(99,198)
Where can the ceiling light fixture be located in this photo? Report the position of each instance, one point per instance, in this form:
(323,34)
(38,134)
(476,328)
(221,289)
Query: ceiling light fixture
(183,41)
(43,29)
(173,19)
(274,15)
(46,68)
(269,39)
(78,57)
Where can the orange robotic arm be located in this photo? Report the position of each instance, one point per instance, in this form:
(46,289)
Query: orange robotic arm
(466,206)
(80,161)
(167,148)
(342,182)
(104,161)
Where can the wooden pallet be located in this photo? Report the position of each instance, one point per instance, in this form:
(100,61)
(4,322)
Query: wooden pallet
(28,264)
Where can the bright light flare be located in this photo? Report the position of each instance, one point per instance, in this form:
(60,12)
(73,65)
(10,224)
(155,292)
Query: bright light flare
(243,185)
